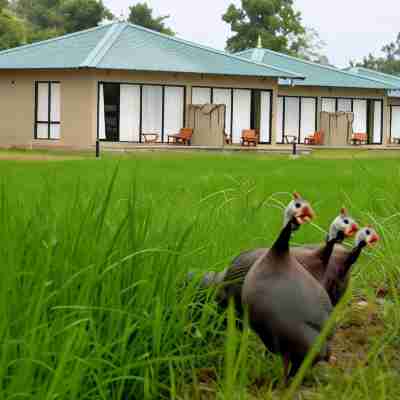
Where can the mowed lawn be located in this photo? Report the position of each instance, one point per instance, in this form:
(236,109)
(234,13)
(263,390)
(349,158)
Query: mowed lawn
(94,254)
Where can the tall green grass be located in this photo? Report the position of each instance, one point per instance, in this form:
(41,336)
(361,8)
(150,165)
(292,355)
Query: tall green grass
(94,255)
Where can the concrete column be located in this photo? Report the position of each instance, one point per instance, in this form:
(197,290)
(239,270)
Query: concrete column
(274,113)
(386,121)
(188,102)
(319,109)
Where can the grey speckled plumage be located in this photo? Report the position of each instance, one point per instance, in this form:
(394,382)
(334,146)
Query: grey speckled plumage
(286,305)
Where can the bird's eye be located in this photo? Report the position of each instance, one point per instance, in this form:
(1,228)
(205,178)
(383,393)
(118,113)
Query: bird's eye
(368,232)
(346,221)
(297,205)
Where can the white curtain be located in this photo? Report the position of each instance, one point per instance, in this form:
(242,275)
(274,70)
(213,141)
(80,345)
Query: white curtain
(42,131)
(55,131)
(329,105)
(102,119)
(241,113)
(152,110)
(279,121)
(292,116)
(344,105)
(395,128)
(201,95)
(308,117)
(43,102)
(129,113)
(55,108)
(173,110)
(265,117)
(360,116)
(377,133)
(223,96)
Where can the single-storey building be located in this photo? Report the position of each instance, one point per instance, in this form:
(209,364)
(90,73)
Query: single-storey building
(329,89)
(120,82)
(393,99)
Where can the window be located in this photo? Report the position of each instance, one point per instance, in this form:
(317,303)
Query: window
(127,111)
(297,117)
(47,110)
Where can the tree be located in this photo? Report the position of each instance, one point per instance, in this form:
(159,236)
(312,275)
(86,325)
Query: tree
(12,30)
(3,4)
(83,14)
(275,21)
(141,14)
(313,47)
(48,18)
(389,63)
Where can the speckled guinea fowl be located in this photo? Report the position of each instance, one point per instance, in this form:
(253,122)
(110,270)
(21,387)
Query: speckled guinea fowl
(314,258)
(287,307)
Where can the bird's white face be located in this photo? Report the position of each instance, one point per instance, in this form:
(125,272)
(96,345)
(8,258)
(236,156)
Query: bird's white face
(367,235)
(298,209)
(343,223)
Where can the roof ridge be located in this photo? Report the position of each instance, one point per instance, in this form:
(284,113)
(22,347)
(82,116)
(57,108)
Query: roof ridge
(379,73)
(216,51)
(95,56)
(55,39)
(326,67)
(356,71)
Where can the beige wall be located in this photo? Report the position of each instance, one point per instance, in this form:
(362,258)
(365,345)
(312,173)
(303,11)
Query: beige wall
(79,100)
(17,107)
(321,92)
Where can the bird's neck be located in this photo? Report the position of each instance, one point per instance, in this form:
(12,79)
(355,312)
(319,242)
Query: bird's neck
(351,259)
(325,251)
(281,244)
(339,273)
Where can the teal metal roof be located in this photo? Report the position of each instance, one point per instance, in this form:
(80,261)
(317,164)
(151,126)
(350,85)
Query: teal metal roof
(125,46)
(316,74)
(68,51)
(380,76)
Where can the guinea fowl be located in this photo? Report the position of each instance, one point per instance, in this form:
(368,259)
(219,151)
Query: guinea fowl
(337,276)
(313,258)
(286,305)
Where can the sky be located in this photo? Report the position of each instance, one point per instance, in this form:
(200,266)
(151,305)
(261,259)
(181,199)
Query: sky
(351,29)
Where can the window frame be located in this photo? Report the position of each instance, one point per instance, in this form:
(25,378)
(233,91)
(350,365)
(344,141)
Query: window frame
(232,89)
(141,85)
(284,97)
(49,122)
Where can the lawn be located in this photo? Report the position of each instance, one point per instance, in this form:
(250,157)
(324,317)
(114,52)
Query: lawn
(94,254)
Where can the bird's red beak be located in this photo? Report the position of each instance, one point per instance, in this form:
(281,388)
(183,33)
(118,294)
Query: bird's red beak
(352,230)
(374,239)
(306,214)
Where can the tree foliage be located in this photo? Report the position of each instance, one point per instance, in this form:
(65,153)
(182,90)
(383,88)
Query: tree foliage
(48,18)
(275,21)
(388,63)
(3,4)
(141,14)
(12,30)
(83,14)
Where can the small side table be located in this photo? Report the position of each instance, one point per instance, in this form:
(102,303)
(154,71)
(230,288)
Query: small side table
(150,137)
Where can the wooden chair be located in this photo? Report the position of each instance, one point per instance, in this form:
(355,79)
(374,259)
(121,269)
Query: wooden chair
(359,138)
(249,136)
(183,137)
(316,138)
